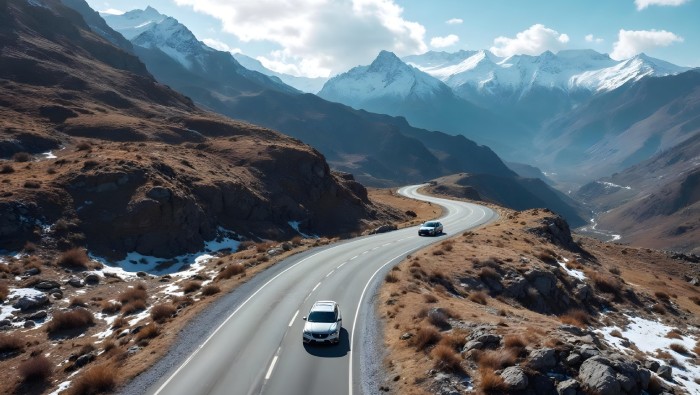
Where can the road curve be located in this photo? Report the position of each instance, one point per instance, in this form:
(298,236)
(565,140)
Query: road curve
(255,346)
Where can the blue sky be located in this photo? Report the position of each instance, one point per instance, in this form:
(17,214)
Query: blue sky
(326,37)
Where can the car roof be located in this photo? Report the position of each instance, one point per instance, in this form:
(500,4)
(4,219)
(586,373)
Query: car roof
(324,305)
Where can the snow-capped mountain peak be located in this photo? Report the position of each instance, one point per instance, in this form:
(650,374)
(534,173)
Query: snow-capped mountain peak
(387,76)
(135,22)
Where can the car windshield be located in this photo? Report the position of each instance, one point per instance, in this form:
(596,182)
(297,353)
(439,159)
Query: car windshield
(431,224)
(321,316)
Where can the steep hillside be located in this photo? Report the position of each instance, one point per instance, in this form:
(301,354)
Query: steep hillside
(513,192)
(623,127)
(125,153)
(655,203)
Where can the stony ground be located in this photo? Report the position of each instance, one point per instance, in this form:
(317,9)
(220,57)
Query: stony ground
(519,306)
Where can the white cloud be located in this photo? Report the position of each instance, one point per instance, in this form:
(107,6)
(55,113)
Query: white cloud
(318,37)
(443,42)
(592,39)
(220,45)
(112,11)
(632,42)
(642,4)
(532,41)
(454,21)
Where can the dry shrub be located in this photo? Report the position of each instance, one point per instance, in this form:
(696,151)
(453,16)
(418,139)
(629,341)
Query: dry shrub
(110,307)
(447,245)
(230,271)
(605,283)
(77,319)
(77,302)
(439,319)
(489,273)
(547,256)
(210,289)
(109,345)
(162,312)
(32,184)
(120,322)
(191,286)
(133,307)
(496,359)
(426,337)
(453,340)
(296,240)
(615,270)
(430,298)
(478,297)
(679,348)
(491,381)
(673,334)
(4,291)
(514,341)
(74,259)
(438,252)
(11,343)
(446,359)
(148,332)
(616,333)
(133,294)
(576,317)
(97,380)
(37,368)
(22,157)
(391,278)
(7,169)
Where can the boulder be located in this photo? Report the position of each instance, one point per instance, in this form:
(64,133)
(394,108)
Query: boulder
(46,285)
(75,282)
(384,229)
(652,365)
(84,360)
(665,372)
(39,315)
(514,378)
(597,374)
(92,279)
(568,387)
(587,351)
(542,359)
(481,342)
(26,303)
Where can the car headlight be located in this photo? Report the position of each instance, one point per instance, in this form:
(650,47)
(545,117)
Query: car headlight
(334,328)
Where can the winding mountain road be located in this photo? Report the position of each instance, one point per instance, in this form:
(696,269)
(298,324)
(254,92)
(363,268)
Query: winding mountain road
(258,349)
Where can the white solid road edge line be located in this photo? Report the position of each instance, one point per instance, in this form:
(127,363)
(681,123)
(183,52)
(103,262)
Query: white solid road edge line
(357,312)
(272,367)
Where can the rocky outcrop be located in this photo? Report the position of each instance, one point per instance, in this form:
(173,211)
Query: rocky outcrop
(556,230)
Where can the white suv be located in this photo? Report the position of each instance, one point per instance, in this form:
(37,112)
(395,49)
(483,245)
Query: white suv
(323,323)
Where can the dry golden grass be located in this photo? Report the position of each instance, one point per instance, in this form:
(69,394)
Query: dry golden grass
(230,271)
(37,368)
(674,334)
(496,359)
(490,381)
(430,298)
(489,273)
(479,297)
(576,317)
(10,343)
(4,291)
(77,301)
(133,307)
(191,286)
(162,312)
(425,337)
(605,283)
(77,319)
(210,289)
(110,307)
(514,341)
(133,294)
(446,359)
(391,278)
(148,332)
(74,259)
(97,380)
(679,348)
(695,299)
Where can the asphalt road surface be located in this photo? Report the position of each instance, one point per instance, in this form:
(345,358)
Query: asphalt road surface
(257,348)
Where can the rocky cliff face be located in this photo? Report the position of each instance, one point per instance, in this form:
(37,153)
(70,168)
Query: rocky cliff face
(136,166)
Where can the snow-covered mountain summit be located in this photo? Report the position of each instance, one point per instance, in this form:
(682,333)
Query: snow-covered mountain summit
(569,70)
(387,77)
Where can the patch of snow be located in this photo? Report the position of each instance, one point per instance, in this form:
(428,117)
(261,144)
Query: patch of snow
(650,336)
(572,272)
(37,3)
(184,265)
(140,317)
(49,155)
(20,292)
(61,387)
(295,226)
(6,312)
(612,185)
(173,289)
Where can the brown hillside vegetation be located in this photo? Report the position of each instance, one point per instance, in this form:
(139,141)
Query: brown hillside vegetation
(494,310)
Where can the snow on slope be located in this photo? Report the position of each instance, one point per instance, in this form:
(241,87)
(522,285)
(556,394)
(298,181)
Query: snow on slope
(568,70)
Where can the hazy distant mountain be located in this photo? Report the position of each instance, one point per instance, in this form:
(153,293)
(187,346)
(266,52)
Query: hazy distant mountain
(304,84)
(390,86)
(379,150)
(623,127)
(655,203)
